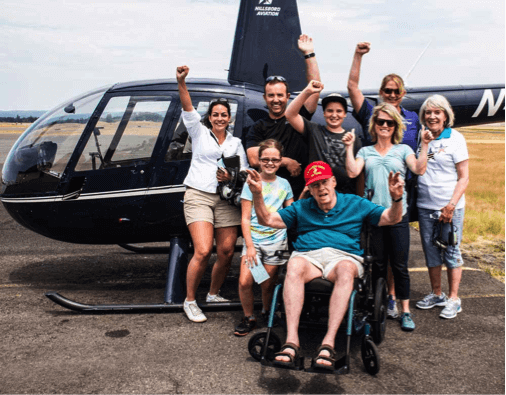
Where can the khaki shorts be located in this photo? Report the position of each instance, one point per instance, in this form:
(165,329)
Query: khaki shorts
(208,207)
(327,258)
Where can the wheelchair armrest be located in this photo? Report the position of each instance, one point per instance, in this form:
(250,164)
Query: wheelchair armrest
(284,254)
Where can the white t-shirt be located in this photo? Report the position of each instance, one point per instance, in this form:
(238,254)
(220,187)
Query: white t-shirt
(436,186)
(206,153)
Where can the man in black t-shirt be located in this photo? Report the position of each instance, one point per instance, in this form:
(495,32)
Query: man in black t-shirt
(325,142)
(276,95)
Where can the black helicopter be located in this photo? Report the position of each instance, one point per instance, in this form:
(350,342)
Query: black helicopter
(107,167)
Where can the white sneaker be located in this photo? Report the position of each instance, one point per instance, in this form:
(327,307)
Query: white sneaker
(215,298)
(452,308)
(193,311)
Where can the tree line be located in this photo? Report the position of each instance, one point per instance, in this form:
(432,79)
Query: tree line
(143,116)
(18,119)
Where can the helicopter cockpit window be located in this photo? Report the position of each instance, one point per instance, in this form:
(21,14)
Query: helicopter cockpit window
(48,144)
(180,145)
(126,132)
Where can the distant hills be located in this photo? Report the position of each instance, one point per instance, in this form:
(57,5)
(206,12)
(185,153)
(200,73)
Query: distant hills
(21,113)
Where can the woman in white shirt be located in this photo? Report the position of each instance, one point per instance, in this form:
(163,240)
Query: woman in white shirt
(207,216)
(441,204)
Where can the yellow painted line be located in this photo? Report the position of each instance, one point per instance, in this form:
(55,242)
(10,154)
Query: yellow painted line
(14,285)
(425,269)
(481,296)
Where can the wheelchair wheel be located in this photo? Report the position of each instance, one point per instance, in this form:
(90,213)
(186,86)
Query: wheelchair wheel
(379,319)
(256,345)
(370,356)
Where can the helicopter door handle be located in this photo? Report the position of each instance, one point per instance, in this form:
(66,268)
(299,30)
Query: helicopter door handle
(73,195)
(75,188)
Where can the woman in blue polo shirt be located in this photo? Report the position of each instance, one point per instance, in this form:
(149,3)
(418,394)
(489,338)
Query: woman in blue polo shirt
(391,91)
(441,199)
(390,243)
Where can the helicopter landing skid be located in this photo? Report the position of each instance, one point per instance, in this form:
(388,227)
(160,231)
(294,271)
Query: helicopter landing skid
(145,250)
(138,308)
(174,291)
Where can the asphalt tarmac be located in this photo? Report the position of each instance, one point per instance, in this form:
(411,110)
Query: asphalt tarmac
(47,349)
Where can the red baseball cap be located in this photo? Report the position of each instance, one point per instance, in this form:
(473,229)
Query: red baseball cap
(317,171)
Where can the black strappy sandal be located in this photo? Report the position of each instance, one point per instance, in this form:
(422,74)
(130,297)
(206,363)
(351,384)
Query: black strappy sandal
(292,363)
(331,358)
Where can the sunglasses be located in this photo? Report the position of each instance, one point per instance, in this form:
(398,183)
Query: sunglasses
(220,100)
(381,122)
(389,91)
(275,77)
(267,160)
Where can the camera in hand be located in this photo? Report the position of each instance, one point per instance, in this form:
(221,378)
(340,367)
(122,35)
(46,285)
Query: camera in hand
(443,240)
(231,190)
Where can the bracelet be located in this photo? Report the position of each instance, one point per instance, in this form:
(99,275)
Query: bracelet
(309,55)
(397,200)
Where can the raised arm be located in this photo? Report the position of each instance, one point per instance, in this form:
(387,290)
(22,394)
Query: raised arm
(264,217)
(353,166)
(393,214)
(418,166)
(292,111)
(356,96)
(460,188)
(306,46)
(184,95)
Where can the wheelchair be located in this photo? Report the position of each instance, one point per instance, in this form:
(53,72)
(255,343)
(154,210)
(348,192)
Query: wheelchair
(366,316)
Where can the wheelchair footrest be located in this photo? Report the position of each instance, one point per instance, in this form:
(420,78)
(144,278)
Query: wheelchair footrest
(299,364)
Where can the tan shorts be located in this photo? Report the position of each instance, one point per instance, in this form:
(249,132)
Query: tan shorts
(327,258)
(208,207)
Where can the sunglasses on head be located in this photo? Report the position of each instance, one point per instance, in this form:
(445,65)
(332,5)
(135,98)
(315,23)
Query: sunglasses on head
(220,100)
(389,91)
(275,77)
(267,160)
(381,122)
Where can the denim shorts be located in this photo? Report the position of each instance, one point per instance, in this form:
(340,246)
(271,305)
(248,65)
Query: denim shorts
(451,257)
(266,252)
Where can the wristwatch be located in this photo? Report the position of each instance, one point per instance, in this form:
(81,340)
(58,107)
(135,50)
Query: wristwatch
(397,200)
(309,55)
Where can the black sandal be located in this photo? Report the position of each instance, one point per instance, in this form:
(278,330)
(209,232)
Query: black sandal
(293,358)
(331,358)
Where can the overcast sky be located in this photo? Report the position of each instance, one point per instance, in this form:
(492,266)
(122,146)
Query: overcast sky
(51,51)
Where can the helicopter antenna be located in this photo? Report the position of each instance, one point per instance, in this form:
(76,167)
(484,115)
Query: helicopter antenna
(414,65)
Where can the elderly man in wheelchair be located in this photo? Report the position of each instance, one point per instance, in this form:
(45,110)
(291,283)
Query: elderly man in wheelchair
(325,220)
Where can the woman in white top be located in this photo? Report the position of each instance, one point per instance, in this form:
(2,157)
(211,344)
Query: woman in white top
(441,204)
(207,216)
